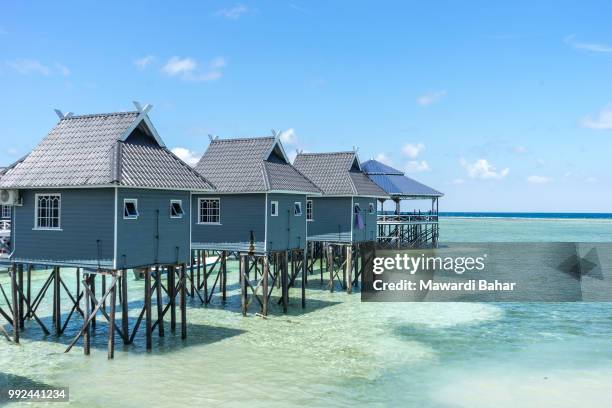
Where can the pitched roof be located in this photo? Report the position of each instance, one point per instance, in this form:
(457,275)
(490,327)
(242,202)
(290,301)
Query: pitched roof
(103,149)
(252,165)
(337,174)
(395,183)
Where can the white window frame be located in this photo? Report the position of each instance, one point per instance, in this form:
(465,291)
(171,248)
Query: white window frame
(135,202)
(59,212)
(356,205)
(309,210)
(296,205)
(273,207)
(371,208)
(6,212)
(180,203)
(200,200)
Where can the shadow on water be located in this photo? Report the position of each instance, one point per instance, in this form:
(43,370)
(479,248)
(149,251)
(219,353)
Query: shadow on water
(12,381)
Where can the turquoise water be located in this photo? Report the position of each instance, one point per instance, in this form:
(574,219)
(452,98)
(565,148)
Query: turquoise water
(341,352)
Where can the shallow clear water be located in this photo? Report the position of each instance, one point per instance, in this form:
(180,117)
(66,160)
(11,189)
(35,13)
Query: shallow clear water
(341,352)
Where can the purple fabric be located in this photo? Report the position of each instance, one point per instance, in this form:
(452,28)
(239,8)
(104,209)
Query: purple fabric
(359,224)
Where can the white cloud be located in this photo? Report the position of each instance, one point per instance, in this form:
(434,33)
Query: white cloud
(538,179)
(11,151)
(592,47)
(431,97)
(288,137)
(62,69)
(482,169)
(142,63)
(520,149)
(233,13)
(30,66)
(413,150)
(603,120)
(189,70)
(190,157)
(591,180)
(417,166)
(458,181)
(383,158)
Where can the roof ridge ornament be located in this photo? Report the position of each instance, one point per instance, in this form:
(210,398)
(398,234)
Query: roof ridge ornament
(142,109)
(61,115)
(212,138)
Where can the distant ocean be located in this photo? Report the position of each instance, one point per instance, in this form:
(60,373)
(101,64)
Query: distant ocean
(527,215)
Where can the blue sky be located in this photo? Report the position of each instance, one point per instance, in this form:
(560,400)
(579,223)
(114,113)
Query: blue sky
(503,107)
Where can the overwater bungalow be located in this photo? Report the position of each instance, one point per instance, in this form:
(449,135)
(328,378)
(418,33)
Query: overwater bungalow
(345,215)
(103,194)
(399,229)
(258,211)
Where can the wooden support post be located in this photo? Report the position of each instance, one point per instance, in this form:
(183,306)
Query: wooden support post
(111,322)
(183,290)
(92,278)
(21,298)
(15,302)
(199,269)
(205,277)
(104,291)
(171,294)
(243,293)
(29,290)
(87,333)
(78,288)
(321,261)
(304,275)
(159,302)
(349,269)
(330,266)
(147,300)
(343,255)
(285,280)
(266,274)
(57,311)
(191,277)
(124,307)
(224,275)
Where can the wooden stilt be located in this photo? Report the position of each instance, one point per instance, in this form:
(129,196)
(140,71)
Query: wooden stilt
(111,323)
(205,277)
(159,301)
(21,298)
(29,290)
(104,291)
(147,300)
(349,269)
(191,278)
(285,281)
(266,274)
(323,251)
(57,311)
(87,333)
(124,307)
(183,289)
(304,275)
(330,267)
(199,269)
(243,293)
(224,276)
(15,302)
(171,294)
(92,278)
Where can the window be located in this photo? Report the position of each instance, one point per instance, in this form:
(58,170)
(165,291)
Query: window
(356,208)
(297,209)
(47,211)
(309,215)
(274,208)
(176,209)
(210,211)
(130,209)
(6,212)
(372,208)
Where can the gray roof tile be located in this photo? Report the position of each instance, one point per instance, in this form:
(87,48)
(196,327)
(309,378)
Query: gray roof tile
(394,181)
(337,174)
(80,151)
(244,165)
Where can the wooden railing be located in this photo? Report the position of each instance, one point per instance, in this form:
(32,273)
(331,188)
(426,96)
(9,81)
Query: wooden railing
(407,230)
(407,218)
